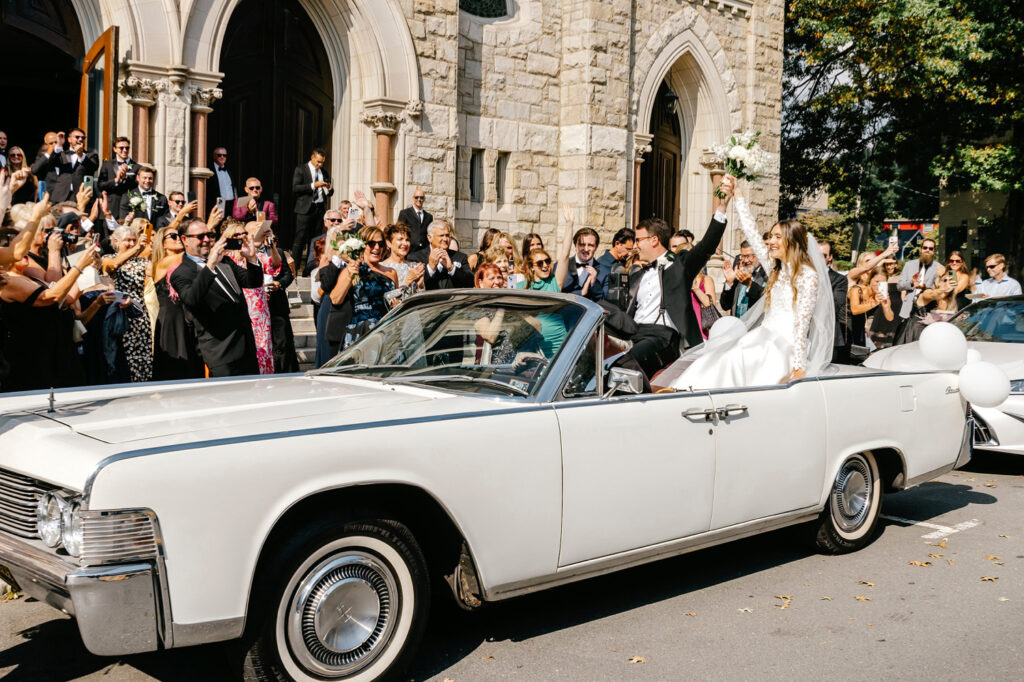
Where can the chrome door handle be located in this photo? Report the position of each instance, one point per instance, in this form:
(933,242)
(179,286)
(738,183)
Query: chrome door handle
(707,415)
(724,412)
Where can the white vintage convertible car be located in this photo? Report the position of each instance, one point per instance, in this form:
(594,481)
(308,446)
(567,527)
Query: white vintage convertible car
(473,444)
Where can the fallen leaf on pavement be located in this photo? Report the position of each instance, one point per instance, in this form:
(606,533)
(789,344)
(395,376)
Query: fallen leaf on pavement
(920,563)
(783,597)
(940,544)
(971,480)
(746,609)
(991,485)
(1004,536)
(448,679)
(861,597)
(999,563)
(949,561)
(488,657)
(992,557)
(865,582)
(826,598)
(935,556)
(1004,599)
(988,579)
(636,659)
(691,614)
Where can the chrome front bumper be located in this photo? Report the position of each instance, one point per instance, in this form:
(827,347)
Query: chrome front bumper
(116,606)
(966,442)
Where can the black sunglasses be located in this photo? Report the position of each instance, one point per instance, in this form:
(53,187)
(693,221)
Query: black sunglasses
(173,235)
(255,187)
(379,243)
(542,262)
(335,220)
(177,201)
(201,235)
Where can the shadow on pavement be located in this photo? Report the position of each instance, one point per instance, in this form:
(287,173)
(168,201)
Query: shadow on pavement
(996,463)
(932,499)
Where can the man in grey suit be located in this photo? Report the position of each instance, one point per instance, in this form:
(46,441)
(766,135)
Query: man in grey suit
(418,221)
(917,276)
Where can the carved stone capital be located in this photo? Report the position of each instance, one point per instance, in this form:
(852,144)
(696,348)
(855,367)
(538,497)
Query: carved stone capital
(142,91)
(413,110)
(641,146)
(710,162)
(382,121)
(203,98)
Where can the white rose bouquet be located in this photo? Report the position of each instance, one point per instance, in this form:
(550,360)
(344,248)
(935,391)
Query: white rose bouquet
(742,157)
(349,245)
(136,202)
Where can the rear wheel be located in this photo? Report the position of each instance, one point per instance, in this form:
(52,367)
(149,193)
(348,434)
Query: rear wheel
(348,604)
(850,517)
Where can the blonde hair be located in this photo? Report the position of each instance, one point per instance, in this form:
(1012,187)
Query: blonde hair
(516,262)
(158,252)
(794,239)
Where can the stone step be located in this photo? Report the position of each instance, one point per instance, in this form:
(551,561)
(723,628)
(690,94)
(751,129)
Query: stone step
(306,355)
(305,339)
(303,325)
(301,311)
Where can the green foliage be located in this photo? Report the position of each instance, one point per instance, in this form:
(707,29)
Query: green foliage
(883,99)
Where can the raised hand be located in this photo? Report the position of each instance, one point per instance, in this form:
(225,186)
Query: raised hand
(569,214)
(591,273)
(435,257)
(248,248)
(41,208)
(415,272)
(216,215)
(190,207)
(216,252)
(728,271)
(89,256)
(18,179)
(54,242)
(83,196)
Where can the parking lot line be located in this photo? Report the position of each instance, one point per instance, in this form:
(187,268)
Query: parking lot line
(938,531)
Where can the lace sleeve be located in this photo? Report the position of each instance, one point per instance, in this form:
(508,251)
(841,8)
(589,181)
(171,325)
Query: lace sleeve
(749,227)
(806,295)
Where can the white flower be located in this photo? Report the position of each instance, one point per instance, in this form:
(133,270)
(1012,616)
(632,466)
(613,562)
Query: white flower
(737,153)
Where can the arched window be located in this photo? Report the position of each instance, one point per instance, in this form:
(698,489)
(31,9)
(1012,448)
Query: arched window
(487,9)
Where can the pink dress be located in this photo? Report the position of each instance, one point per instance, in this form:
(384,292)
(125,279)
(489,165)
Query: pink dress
(259,313)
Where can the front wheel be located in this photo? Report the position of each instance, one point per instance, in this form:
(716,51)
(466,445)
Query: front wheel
(850,517)
(349,603)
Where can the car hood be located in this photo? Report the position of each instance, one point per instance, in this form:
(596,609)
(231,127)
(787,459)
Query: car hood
(908,357)
(176,410)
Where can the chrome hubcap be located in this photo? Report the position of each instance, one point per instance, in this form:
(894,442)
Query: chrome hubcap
(851,495)
(342,614)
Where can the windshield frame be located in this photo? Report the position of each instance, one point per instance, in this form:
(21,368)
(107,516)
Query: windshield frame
(550,385)
(989,303)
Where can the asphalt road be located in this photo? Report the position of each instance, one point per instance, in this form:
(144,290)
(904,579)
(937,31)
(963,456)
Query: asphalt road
(766,608)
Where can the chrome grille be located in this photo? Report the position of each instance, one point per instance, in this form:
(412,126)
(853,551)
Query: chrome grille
(983,433)
(19,496)
(113,536)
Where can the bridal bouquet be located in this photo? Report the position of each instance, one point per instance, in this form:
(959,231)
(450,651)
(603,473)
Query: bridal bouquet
(136,202)
(350,245)
(742,157)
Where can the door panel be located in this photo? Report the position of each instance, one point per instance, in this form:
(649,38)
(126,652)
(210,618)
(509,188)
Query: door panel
(771,457)
(97,97)
(635,473)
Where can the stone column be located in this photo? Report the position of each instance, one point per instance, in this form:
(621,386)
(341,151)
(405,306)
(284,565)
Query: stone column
(641,146)
(710,162)
(142,94)
(383,117)
(200,172)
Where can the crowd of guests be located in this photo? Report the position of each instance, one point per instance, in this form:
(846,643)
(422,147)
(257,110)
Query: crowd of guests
(103,279)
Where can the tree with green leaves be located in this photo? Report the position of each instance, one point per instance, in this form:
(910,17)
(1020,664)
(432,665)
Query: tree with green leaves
(885,99)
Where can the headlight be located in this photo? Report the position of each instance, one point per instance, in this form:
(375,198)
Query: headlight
(71,529)
(1017,386)
(49,517)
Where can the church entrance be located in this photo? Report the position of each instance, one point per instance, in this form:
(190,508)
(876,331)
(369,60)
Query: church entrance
(278,101)
(659,174)
(40,45)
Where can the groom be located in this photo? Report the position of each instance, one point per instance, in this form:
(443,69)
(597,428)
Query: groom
(659,294)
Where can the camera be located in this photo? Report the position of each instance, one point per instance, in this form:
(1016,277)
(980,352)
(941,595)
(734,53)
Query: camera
(233,243)
(69,239)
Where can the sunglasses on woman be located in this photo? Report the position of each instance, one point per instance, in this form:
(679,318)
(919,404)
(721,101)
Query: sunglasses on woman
(955,260)
(542,262)
(172,235)
(375,244)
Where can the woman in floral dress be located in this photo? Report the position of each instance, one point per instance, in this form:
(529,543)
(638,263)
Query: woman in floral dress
(256,299)
(128,269)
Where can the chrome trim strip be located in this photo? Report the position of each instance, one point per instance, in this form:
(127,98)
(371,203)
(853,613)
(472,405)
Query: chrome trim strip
(277,435)
(190,634)
(929,475)
(617,562)
(966,444)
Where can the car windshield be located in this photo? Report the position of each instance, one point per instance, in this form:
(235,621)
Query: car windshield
(998,320)
(501,343)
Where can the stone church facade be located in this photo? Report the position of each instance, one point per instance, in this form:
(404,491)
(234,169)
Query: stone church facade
(500,109)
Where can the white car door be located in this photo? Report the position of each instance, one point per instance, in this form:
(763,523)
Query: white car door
(636,471)
(771,451)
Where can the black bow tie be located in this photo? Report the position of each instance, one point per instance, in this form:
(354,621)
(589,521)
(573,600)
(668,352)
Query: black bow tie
(148,192)
(583,265)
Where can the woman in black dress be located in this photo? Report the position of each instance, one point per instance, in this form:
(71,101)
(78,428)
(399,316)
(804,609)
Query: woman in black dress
(16,161)
(883,329)
(129,270)
(864,297)
(175,350)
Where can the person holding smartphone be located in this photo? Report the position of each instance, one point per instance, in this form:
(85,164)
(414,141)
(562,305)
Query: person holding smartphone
(117,176)
(254,208)
(886,284)
(312,189)
(256,299)
(130,268)
(67,166)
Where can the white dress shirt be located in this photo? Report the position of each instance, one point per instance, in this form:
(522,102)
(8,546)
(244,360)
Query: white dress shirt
(227,190)
(318,176)
(1007,286)
(648,297)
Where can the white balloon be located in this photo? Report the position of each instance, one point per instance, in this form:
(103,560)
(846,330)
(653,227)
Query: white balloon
(973,355)
(944,345)
(727,326)
(984,384)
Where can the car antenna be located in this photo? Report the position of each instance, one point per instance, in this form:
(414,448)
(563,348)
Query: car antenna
(51,410)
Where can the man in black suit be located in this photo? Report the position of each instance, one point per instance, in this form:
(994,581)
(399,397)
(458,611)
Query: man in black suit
(311,185)
(418,221)
(117,176)
(660,299)
(64,168)
(210,287)
(744,281)
(223,181)
(144,201)
(583,267)
(446,268)
(840,286)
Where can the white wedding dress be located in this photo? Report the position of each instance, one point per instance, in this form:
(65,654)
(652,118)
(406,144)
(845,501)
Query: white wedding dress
(775,343)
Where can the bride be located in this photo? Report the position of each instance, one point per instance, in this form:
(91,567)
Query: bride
(788,333)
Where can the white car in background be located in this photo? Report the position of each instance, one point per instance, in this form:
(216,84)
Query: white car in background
(995,333)
(473,443)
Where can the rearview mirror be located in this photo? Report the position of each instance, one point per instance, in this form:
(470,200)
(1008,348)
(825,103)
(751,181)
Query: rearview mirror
(622,380)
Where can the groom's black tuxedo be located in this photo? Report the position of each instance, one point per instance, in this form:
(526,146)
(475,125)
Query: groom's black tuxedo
(677,281)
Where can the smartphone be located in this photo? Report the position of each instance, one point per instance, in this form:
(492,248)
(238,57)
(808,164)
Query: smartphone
(883,289)
(355,213)
(220,204)
(42,190)
(190,197)
(95,238)
(894,240)
(90,182)
(120,296)
(233,243)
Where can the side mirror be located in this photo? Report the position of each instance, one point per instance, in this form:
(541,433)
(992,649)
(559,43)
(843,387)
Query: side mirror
(622,380)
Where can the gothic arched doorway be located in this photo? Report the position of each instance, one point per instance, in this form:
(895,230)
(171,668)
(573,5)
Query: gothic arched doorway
(659,174)
(278,101)
(40,44)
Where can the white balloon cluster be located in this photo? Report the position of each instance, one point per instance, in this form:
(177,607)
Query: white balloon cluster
(981,383)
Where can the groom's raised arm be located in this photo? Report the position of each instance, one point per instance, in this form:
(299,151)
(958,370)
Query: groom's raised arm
(698,256)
